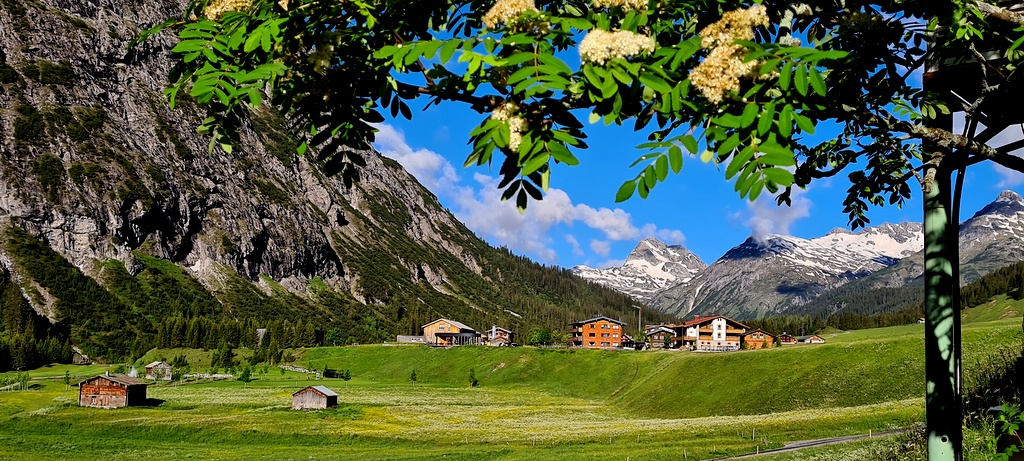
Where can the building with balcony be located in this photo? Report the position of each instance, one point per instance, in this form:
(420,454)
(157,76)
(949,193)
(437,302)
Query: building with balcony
(712,333)
(444,332)
(597,333)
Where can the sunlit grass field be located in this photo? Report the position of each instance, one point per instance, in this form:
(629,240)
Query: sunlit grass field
(531,404)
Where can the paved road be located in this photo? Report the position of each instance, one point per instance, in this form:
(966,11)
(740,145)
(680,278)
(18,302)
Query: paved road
(794,446)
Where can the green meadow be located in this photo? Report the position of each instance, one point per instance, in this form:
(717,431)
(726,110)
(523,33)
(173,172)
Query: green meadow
(530,404)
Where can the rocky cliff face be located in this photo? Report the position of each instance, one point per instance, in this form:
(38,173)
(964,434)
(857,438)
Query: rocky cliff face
(650,268)
(96,167)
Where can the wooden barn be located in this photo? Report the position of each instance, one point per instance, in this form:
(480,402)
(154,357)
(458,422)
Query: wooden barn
(314,398)
(757,339)
(159,370)
(111,391)
(785,338)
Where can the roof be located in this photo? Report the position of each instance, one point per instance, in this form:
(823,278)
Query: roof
(595,319)
(122,379)
(502,329)
(756,330)
(806,337)
(705,319)
(462,326)
(321,389)
(656,328)
(156,364)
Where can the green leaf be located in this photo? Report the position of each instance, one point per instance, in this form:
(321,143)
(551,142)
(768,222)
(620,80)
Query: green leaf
(690,143)
(650,177)
(786,75)
(764,123)
(189,45)
(776,154)
(805,124)
(817,81)
(661,168)
(738,162)
(749,114)
(675,159)
(625,191)
(448,49)
(729,145)
(755,189)
(778,176)
(786,121)
(801,79)
(535,162)
(655,82)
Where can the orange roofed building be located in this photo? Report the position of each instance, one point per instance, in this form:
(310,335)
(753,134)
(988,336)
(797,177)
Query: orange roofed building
(597,333)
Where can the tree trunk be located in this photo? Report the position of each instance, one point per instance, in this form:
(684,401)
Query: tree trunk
(943,405)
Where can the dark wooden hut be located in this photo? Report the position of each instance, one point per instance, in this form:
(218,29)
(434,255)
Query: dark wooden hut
(111,391)
(314,398)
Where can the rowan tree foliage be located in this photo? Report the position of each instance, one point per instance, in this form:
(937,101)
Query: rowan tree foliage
(743,84)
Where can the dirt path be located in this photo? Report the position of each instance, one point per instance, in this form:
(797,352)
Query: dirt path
(800,445)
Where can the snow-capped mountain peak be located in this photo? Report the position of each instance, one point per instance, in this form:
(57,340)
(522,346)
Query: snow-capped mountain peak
(651,267)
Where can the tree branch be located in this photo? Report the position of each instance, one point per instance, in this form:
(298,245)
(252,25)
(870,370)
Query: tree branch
(1000,13)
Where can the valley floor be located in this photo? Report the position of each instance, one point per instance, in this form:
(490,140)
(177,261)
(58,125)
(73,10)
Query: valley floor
(532,404)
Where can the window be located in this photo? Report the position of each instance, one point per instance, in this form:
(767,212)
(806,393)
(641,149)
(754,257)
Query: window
(592,334)
(616,335)
(604,326)
(440,327)
(615,344)
(592,326)
(604,335)
(603,344)
(591,343)
(615,327)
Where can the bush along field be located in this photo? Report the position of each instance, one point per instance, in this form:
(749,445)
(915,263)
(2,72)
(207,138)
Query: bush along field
(414,402)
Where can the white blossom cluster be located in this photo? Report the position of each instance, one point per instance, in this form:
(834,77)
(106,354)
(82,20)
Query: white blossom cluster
(217,8)
(324,53)
(734,25)
(721,71)
(626,5)
(601,46)
(505,12)
(509,113)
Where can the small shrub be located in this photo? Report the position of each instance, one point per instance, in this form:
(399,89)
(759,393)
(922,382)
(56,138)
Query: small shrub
(55,74)
(271,192)
(29,127)
(49,170)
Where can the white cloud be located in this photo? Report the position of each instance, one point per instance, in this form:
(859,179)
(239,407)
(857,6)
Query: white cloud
(669,236)
(430,168)
(480,207)
(765,217)
(601,247)
(610,263)
(576,250)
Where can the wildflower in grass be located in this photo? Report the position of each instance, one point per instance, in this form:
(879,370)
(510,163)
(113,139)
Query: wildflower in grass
(601,46)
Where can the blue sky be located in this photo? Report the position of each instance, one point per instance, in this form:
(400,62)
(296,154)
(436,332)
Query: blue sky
(579,222)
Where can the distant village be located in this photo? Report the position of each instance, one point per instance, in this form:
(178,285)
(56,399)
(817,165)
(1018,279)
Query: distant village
(712,333)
